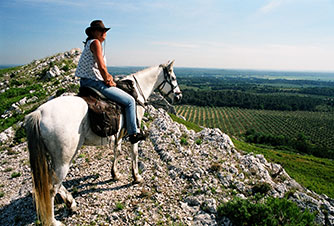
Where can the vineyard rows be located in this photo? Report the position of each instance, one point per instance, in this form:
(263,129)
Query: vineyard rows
(319,126)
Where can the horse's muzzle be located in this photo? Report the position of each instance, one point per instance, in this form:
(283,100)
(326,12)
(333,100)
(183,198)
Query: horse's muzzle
(177,97)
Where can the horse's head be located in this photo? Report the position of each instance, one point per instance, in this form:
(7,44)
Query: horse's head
(168,86)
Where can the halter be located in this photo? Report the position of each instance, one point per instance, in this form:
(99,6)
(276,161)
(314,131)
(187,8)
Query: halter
(167,79)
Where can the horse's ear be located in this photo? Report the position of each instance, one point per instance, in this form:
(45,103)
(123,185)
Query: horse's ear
(171,63)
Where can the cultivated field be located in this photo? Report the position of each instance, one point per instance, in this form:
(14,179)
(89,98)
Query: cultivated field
(318,126)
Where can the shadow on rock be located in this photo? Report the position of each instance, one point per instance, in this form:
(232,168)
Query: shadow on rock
(19,212)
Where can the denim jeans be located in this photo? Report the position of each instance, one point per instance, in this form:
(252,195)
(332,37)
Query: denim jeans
(120,97)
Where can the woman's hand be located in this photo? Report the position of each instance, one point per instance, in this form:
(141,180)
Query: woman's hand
(110,81)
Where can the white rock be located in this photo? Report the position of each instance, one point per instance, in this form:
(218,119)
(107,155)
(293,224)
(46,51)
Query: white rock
(7,135)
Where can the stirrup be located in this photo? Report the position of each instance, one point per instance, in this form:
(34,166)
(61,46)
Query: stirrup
(134,138)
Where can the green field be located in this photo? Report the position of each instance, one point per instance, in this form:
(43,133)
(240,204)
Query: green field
(318,126)
(313,173)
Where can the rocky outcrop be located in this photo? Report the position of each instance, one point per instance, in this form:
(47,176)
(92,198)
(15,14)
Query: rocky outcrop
(158,101)
(187,175)
(60,68)
(7,135)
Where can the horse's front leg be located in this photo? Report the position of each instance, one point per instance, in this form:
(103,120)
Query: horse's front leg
(134,156)
(117,149)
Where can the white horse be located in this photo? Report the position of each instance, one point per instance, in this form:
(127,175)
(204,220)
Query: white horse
(58,128)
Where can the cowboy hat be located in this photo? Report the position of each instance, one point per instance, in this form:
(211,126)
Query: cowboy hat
(96,25)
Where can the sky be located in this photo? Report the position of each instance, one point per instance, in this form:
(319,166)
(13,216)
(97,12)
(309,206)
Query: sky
(295,35)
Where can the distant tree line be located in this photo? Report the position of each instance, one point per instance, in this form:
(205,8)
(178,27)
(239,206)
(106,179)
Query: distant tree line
(256,85)
(300,143)
(236,98)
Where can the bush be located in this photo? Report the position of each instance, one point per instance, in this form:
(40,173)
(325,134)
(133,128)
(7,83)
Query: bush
(20,135)
(261,188)
(198,141)
(60,92)
(273,211)
(119,206)
(15,174)
(184,141)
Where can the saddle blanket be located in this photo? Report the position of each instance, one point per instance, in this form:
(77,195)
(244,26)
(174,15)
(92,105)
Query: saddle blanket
(104,114)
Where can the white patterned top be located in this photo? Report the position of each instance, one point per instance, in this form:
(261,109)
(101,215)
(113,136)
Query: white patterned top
(87,66)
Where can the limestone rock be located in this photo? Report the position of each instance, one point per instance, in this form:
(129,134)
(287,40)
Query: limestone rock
(7,135)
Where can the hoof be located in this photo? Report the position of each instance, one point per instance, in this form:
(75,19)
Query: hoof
(74,207)
(138,180)
(114,176)
(57,223)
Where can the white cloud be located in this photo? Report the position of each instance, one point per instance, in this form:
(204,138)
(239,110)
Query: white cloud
(273,4)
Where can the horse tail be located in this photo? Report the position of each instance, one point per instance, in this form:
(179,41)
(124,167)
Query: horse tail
(40,169)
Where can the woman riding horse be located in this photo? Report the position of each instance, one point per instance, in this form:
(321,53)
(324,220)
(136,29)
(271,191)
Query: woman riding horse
(92,70)
(57,129)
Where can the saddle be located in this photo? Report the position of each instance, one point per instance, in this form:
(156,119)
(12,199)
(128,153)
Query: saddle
(104,114)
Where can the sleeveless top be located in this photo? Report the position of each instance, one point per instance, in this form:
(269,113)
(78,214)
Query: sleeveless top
(87,66)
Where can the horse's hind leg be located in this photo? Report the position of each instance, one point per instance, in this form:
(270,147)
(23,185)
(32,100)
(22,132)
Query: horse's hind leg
(68,198)
(60,173)
(134,156)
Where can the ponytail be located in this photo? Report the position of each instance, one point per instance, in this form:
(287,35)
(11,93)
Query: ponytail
(87,39)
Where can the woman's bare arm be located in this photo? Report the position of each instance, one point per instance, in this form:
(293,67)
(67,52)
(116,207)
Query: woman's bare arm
(96,48)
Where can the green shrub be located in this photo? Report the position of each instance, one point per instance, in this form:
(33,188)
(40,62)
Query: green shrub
(60,92)
(183,141)
(273,211)
(119,206)
(20,135)
(15,174)
(198,141)
(261,188)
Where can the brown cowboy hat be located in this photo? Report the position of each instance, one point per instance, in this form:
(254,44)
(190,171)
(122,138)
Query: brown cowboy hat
(96,25)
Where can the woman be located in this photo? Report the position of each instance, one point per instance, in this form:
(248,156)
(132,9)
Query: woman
(93,72)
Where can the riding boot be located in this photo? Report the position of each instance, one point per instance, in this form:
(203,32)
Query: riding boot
(134,138)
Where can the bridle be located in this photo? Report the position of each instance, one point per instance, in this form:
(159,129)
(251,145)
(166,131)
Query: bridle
(167,80)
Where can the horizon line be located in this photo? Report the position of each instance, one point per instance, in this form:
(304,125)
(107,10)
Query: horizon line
(3,66)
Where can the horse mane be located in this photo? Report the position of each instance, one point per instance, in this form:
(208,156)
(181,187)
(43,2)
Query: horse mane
(142,71)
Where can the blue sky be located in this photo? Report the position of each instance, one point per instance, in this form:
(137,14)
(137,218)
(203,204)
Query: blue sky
(241,34)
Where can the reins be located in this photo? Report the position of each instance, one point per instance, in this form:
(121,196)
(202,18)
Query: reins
(141,93)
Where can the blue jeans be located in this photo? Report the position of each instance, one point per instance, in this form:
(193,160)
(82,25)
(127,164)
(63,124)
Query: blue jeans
(120,97)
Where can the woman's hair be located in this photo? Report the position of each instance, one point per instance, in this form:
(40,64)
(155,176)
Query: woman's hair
(90,37)
(87,39)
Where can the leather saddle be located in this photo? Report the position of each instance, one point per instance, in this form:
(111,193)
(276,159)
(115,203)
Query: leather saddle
(104,114)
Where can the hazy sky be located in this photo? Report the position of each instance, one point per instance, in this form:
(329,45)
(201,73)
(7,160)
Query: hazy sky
(245,34)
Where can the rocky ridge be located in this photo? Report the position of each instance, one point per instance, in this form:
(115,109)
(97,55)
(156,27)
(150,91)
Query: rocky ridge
(55,74)
(186,174)
(185,180)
